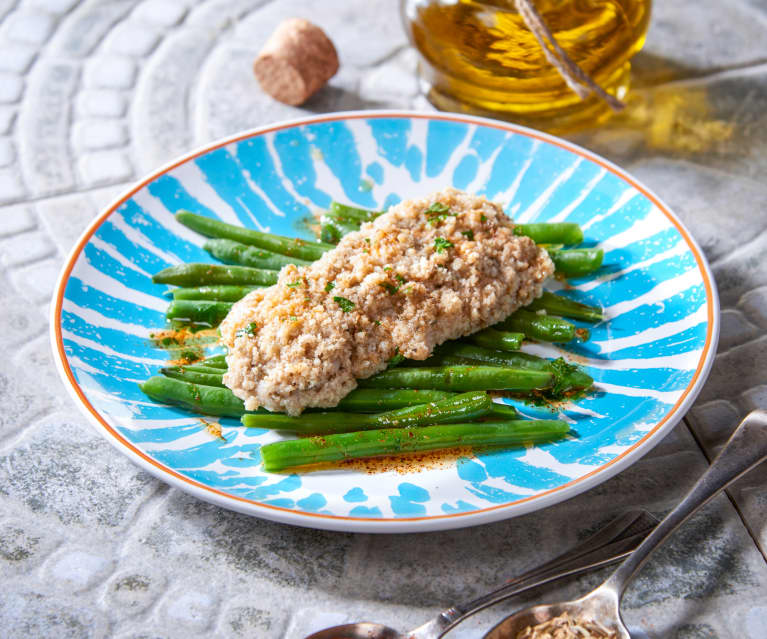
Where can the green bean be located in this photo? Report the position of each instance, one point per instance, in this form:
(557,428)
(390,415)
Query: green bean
(200,312)
(545,328)
(204,399)
(219,293)
(360,400)
(232,252)
(460,378)
(196,274)
(343,224)
(568,376)
(302,249)
(373,400)
(561,305)
(353,212)
(493,338)
(551,232)
(453,409)
(278,456)
(577,262)
(192,377)
(216,361)
(197,367)
(502,411)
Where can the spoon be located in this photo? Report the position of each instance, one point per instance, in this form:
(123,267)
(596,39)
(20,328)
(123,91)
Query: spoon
(608,545)
(746,448)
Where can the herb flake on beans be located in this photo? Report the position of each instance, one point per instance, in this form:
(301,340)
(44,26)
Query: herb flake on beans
(468,234)
(329,286)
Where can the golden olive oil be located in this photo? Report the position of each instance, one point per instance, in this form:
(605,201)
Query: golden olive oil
(481,57)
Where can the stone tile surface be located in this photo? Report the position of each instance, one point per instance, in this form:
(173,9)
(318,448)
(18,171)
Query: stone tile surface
(92,94)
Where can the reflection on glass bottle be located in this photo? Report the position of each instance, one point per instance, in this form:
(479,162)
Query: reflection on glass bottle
(480,57)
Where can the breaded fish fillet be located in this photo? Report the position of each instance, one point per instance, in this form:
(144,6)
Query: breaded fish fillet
(428,270)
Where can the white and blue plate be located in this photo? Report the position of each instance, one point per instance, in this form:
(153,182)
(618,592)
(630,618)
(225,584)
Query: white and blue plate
(649,357)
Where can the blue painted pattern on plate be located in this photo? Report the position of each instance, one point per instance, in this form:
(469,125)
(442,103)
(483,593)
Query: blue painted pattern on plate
(642,356)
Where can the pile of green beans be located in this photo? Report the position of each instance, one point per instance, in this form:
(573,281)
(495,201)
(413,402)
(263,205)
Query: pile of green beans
(410,406)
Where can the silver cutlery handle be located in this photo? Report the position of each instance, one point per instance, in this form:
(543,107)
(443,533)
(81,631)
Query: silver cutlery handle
(746,448)
(610,544)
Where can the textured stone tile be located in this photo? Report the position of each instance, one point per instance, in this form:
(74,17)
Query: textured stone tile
(735,329)
(109,72)
(85,27)
(7,152)
(92,135)
(741,271)
(716,121)
(63,468)
(53,6)
(107,195)
(160,120)
(23,545)
(7,117)
(133,590)
(190,610)
(695,43)
(698,194)
(735,371)
(208,539)
(20,325)
(16,219)
(247,619)
(16,58)
(34,361)
(11,186)
(393,82)
(221,14)
(133,39)
(164,13)
(754,306)
(229,69)
(30,613)
(103,167)
(11,88)
(78,569)
(27,247)
(43,130)
(101,102)
(65,218)
(27,26)
(37,281)
(348,28)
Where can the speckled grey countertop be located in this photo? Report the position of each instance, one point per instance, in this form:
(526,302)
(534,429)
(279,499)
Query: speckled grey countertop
(95,93)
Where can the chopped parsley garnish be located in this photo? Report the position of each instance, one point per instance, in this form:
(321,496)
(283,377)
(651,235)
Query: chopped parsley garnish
(389,287)
(249,330)
(377,322)
(294,284)
(329,286)
(438,212)
(561,370)
(367,239)
(469,234)
(440,244)
(483,218)
(346,305)
(400,279)
(387,268)
(292,318)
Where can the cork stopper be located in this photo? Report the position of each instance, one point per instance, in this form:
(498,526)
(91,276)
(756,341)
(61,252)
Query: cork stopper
(296,61)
